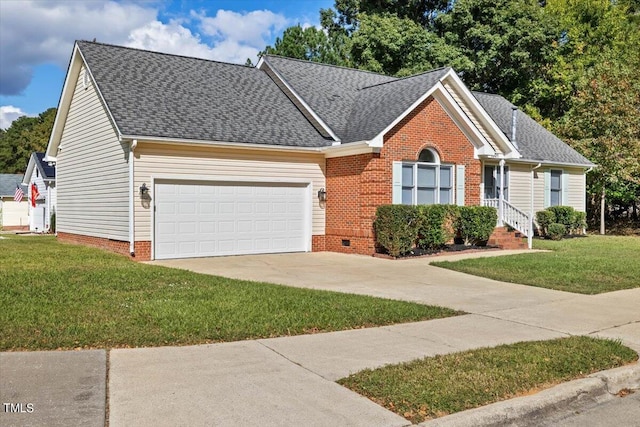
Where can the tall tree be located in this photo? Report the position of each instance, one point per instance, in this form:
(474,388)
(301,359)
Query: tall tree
(510,44)
(604,124)
(388,44)
(308,43)
(25,135)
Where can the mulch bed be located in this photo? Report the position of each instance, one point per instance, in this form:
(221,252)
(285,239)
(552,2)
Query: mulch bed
(447,250)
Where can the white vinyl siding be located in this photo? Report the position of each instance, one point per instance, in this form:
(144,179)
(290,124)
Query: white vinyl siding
(520,187)
(92,171)
(175,161)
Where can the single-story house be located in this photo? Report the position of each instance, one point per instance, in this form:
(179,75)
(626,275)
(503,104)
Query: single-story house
(165,156)
(14,213)
(40,179)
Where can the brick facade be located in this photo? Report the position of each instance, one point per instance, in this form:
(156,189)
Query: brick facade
(357,185)
(142,249)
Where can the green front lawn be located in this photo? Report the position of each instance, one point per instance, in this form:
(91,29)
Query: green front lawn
(441,385)
(586,265)
(60,296)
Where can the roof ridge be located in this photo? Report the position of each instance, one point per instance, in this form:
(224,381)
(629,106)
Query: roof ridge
(164,53)
(404,78)
(343,67)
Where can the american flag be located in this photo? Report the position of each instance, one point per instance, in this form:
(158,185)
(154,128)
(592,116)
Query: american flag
(19,194)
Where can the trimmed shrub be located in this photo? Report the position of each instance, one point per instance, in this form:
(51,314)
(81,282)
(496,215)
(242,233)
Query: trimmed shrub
(476,223)
(556,231)
(565,215)
(544,219)
(579,222)
(52,222)
(437,225)
(396,228)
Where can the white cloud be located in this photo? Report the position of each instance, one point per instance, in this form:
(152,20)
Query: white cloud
(39,32)
(169,38)
(8,113)
(251,28)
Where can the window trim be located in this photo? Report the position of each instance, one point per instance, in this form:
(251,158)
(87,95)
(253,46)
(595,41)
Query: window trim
(437,189)
(559,190)
(496,178)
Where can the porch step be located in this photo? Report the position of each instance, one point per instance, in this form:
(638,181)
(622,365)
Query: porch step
(505,239)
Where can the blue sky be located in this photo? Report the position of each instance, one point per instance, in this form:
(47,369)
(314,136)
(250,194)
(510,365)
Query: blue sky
(36,37)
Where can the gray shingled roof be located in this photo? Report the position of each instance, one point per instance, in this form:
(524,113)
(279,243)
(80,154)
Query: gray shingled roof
(8,183)
(376,107)
(161,95)
(48,172)
(533,140)
(329,90)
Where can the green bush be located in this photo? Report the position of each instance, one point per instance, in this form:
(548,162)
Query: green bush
(396,228)
(544,219)
(565,215)
(579,222)
(52,222)
(476,223)
(556,231)
(437,225)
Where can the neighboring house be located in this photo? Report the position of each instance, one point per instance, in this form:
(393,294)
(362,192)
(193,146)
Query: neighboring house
(42,176)
(14,214)
(163,156)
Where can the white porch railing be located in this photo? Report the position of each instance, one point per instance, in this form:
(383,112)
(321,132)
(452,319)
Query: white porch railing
(513,217)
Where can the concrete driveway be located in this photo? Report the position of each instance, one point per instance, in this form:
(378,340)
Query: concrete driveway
(417,280)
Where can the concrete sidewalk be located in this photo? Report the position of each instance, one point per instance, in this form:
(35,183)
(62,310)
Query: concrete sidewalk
(290,380)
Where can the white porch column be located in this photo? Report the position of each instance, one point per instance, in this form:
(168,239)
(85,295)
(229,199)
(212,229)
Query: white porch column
(501,199)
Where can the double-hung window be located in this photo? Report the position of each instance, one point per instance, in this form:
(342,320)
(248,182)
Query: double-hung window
(427,182)
(492,182)
(555,188)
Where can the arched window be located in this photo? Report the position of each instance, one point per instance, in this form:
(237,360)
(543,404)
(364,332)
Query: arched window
(426,181)
(428,156)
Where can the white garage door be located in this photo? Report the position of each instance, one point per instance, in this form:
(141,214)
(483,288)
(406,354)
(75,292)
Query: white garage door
(194,219)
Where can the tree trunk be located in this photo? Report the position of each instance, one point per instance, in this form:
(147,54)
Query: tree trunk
(602,208)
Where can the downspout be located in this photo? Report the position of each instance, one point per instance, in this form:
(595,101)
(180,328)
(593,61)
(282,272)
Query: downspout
(530,236)
(132,148)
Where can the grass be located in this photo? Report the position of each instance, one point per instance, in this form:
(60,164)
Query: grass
(589,265)
(441,385)
(61,296)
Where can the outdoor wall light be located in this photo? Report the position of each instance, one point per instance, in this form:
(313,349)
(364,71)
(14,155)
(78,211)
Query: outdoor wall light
(322,195)
(144,189)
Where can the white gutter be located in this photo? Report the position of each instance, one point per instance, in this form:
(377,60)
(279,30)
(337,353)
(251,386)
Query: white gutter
(132,147)
(552,163)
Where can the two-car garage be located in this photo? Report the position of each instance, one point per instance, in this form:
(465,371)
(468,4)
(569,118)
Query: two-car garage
(212,218)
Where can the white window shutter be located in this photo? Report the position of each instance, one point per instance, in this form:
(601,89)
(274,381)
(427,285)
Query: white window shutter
(565,189)
(460,185)
(547,188)
(396,195)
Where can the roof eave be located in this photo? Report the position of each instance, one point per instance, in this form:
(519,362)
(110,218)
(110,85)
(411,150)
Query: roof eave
(555,163)
(223,144)
(507,147)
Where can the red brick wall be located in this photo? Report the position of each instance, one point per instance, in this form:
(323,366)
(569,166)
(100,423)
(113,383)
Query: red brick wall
(357,185)
(142,249)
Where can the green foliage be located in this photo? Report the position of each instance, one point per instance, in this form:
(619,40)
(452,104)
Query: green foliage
(396,228)
(444,384)
(556,231)
(544,219)
(579,222)
(90,298)
(388,44)
(25,135)
(309,44)
(52,222)
(508,42)
(476,223)
(586,265)
(565,215)
(437,225)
